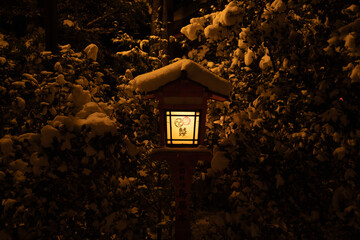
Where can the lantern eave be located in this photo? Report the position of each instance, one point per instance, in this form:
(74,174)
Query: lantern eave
(185,68)
(208,94)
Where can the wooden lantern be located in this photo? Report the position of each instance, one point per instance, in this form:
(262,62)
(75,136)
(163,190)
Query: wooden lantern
(182,89)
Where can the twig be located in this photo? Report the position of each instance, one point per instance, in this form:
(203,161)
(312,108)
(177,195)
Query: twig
(102,17)
(271,56)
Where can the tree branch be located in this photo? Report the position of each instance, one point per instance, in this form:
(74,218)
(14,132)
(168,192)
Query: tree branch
(103,17)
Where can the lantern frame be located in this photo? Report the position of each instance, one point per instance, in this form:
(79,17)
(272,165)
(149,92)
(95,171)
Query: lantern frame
(173,117)
(182,86)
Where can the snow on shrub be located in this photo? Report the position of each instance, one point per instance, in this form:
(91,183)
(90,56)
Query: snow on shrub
(292,121)
(73,125)
(91,51)
(190,31)
(19,165)
(231,15)
(355,74)
(39,163)
(48,133)
(91,116)
(6,145)
(85,133)
(79,96)
(88,108)
(277,6)
(8,203)
(20,103)
(216,30)
(249,57)
(265,62)
(99,123)
(2,60)
(68,23)
(3,43)
(219,162)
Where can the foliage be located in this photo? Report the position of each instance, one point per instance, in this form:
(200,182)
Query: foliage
(74,148)
(292,123)
(75,139)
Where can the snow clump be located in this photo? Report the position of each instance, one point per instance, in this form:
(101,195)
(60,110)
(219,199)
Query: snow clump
(355,74)
(249,57)
(19,165)
(99,123)
(351,10)
(231,15)
(8,203)
(190,31)
(213,32)
(58,67)
(350,42)
(265,62)
(243,42)
(91,115)
(79,96)
(143,44)
(277,6)
(2,60)
(39,163)
(31,138)
(91,51)
(340,152)
(68,23)
(196,26)
(48,133)
(219,162)
(348,35)
(228,17)
(3,43)
(88,109)
(20,103)
(6,145)
(65,48)
(60,79)
(132,53)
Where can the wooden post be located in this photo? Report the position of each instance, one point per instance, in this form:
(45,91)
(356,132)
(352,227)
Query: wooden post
(182,171)
(158,228)
(182,163)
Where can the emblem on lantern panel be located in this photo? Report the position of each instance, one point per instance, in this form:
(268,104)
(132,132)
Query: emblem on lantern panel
(178,122)
(182,127)
(181,123)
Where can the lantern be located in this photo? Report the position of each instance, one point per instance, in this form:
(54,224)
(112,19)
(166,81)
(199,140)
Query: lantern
(182,128)
(182,89)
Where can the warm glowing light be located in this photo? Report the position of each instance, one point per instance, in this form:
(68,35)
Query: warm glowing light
(182,127)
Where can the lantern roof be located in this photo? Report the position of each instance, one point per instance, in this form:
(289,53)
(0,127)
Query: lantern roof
(153,81)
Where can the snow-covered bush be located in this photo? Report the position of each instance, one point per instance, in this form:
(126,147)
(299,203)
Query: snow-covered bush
(291,129)
(74,138)
(73,149)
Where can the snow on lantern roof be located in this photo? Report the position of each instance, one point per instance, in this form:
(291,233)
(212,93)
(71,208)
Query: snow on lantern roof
(152,81)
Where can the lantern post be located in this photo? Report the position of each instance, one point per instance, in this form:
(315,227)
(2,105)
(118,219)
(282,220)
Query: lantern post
(182,90)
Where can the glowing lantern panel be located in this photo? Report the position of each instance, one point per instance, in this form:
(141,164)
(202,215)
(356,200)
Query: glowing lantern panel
(182,127)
